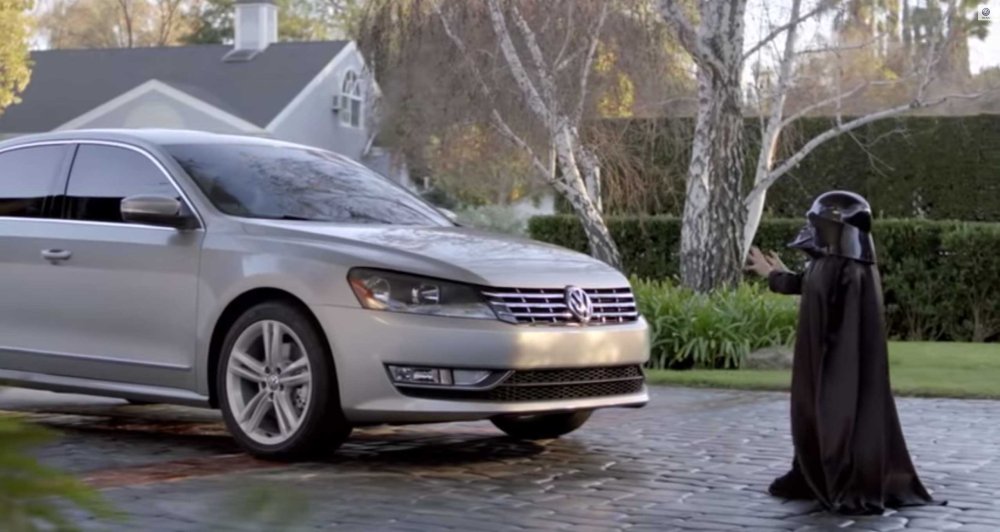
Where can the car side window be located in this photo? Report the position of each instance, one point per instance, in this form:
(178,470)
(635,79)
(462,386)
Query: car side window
(102,176)
(30,180)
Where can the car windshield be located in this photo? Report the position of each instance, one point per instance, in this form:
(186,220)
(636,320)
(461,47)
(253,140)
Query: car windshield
(292,183)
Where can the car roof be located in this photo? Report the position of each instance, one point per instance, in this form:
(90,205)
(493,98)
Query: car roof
(145,136)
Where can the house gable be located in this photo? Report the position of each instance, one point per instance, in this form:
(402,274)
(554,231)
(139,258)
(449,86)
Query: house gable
(157,104)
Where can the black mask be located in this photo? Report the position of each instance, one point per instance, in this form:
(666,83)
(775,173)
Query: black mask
(805,241)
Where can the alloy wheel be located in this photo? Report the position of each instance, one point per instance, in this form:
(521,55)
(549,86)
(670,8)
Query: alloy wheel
(269,382)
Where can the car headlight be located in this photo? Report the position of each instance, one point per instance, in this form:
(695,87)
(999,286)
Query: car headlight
(398,292)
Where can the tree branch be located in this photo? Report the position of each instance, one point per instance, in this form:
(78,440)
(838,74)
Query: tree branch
(823,103)
(838,49)
(565,45)
(833,132)
(772,131)
(688,37)
(822,6)
(588,63)
(501,125)
(561,65)
(166,20)
(124,4)
(918,102)
(460,45)
(528,89)
(544,76)
(498,121)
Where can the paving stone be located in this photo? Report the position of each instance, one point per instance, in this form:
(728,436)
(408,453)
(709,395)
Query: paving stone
(931,524)
(977,528)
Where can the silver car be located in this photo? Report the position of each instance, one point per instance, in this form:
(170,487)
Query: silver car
(295,290)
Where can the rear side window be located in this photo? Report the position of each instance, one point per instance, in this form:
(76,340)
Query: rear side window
(103,176)
(30,180)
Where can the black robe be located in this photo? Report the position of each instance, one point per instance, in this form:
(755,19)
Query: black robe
(850,454)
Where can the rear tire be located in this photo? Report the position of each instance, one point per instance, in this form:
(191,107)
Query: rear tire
(277,385)
(541,426)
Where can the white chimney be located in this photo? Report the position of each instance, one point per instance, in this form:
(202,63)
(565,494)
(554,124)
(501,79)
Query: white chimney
(256,24)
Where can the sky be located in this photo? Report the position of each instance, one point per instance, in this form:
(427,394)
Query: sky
(986,53)
(982,53)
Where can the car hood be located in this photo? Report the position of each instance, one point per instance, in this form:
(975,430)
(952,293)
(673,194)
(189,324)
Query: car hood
(454,253)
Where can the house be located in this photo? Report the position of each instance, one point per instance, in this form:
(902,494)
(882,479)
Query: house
(314,93)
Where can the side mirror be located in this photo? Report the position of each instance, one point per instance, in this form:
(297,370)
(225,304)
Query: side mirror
(157,210)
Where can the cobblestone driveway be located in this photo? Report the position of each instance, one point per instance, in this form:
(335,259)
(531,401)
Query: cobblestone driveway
(691,460)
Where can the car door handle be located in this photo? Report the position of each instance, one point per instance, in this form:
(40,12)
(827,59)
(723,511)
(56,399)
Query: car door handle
(56,254)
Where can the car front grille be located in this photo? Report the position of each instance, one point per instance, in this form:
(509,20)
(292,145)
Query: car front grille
(548,305)
(548,385)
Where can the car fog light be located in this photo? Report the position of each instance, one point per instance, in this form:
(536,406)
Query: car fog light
(411,375)
(467,377)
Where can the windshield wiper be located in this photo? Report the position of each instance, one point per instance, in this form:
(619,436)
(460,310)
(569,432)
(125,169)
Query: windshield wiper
(294,218)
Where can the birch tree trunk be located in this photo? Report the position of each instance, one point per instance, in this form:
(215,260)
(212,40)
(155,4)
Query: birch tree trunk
(710,255)
(772,132)
(712,227)
(580,186)
(755,203)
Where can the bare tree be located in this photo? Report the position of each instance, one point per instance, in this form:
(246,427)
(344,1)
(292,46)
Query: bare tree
(719,221)
(562,159)
(127,16)
(115,23)
(168,14)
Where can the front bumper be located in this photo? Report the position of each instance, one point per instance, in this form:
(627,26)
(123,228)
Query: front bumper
(364,342)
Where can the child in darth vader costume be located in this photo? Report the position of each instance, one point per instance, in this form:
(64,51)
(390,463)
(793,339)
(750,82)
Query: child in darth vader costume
(850,454)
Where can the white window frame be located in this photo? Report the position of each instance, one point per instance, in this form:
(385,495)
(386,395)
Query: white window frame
(351,93)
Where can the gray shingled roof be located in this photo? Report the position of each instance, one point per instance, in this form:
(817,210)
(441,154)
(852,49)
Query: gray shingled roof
(67,83)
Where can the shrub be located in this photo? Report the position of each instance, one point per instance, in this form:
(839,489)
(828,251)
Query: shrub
(973,268)
(715,330)
(941,279)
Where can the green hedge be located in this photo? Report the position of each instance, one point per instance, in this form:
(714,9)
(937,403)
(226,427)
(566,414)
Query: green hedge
(941,279)
(941,168)
(709,331)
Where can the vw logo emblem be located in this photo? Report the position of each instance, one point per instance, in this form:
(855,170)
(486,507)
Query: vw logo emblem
(579,304)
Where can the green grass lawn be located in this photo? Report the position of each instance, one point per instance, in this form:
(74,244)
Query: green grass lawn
(917,368)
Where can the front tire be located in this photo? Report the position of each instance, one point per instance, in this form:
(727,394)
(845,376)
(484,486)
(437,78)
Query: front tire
(277,385)
(541,426)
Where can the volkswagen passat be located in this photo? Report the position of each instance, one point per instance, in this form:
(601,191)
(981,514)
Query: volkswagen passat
(295,290)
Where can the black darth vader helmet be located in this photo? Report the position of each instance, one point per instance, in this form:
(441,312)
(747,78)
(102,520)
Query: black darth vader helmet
(839,224)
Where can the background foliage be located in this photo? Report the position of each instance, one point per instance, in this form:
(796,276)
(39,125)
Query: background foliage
(941,279)
(922,167)
(15,64)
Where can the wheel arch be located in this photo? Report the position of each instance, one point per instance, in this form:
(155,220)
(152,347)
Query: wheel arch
(233,311)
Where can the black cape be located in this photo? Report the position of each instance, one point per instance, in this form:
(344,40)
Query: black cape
(850,454)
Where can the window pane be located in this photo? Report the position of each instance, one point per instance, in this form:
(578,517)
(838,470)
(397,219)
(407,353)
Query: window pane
(345,110)
(356,113)
(29,180)
(264,181)
(103,176)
